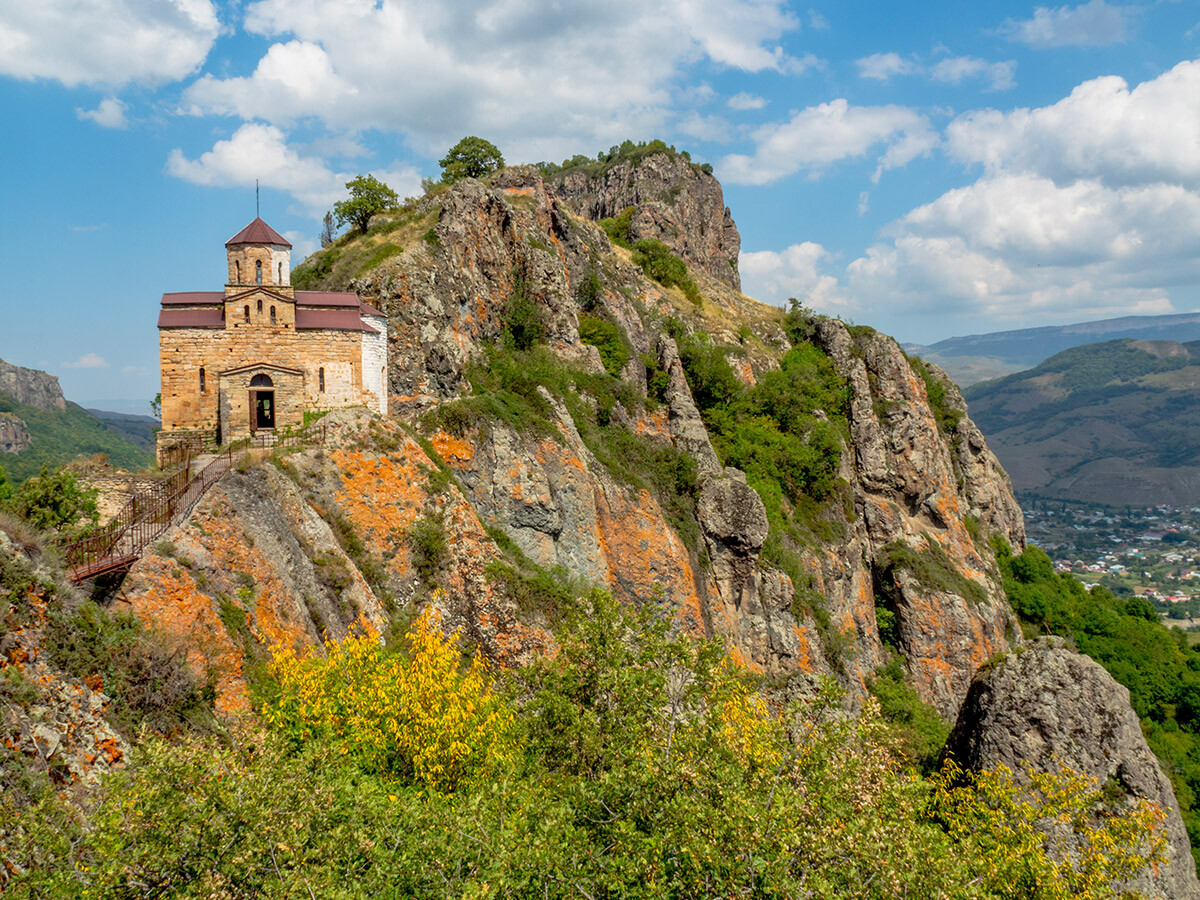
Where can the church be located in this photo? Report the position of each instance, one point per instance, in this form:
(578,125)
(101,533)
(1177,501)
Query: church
(258,355)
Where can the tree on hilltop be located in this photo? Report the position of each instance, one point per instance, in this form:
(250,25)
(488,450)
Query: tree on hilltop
(368,195)
(472,157)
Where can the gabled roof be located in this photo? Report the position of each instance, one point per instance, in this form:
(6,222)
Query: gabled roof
(258,232)
(367,310)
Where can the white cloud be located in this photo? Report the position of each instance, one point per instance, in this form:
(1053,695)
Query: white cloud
(105,42)
(261,152)
(745,101)
(1101,130)
(303,244)
(816,21)
(793,272)
(1089,207)
(109,114)
(87,361)
(883,66)
(956,69)
(539,78)
(1093,24)
(705,128)
(819,136)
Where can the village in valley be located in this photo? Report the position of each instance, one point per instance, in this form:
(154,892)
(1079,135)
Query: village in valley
(1151,552)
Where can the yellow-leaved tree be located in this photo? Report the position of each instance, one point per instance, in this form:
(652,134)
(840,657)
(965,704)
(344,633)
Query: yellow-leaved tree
(425,716)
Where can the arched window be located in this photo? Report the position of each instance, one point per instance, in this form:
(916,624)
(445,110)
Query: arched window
(321,379)
(260,307)
(258,271)
(280,273)
(272,315)
(261,381)
(237,272)
(246,312)
(202,383)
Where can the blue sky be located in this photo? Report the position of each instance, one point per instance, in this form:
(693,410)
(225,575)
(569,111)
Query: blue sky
(928,168)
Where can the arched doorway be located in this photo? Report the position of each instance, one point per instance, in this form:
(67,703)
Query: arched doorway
(262,402)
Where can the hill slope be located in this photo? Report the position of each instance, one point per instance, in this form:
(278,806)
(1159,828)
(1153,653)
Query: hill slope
(978,357)
(1115,422)
(38,426)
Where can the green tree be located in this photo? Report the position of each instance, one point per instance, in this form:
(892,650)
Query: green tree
(368,195)
(6,490)
(156,406)
(55,501)
(472,157)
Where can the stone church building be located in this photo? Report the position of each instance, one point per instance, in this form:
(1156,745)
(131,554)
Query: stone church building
(257,355)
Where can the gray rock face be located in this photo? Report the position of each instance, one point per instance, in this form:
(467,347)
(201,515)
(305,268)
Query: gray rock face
(14,436)
(1049,703)
(674,202)
(31,387)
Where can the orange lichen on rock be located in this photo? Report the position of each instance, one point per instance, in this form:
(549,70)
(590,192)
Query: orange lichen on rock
(456,451)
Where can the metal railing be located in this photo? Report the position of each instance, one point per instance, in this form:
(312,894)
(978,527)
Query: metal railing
(151,511)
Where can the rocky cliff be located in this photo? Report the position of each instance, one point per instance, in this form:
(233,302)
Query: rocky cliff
(14,435)
(673,200)
(1048,705)
(563,465)
(31,387)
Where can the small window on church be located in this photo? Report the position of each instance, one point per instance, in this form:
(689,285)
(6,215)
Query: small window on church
(258,271)
(272,315)
(246,313)
(321,379)
(202,384)
(260,307)
(237,271)
(281,273)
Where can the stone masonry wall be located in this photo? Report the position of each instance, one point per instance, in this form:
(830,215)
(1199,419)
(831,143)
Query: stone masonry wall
(241,261)
(235,400)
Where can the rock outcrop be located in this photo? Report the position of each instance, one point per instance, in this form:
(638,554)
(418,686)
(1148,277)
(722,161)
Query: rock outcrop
(14,436)
(31,387)
(1047,705)
(674,201)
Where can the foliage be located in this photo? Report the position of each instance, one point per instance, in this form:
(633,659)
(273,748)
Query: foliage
(590,291)
(59,436)
(522,319)
(617,227)
(920,731)
(947,416)
(368,196)
(1157,665)
(608,338)
(472,157)
(430,549)
(932,568)
(626,151)
(6,490)
(379,254)
(327,230)
(421,719)
(1039,840)
(55,501)
(631,764)
(659,263)
(150,683)
(799,322)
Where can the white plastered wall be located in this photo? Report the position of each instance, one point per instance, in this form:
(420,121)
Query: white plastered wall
(374,361)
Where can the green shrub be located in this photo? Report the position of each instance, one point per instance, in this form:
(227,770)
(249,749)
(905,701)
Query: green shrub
(378,255)
(932,568)
(430,548)
(589,292)
(150,683)
(522,320)
(608,338)
(947,417)
(921,731)
(617,228)
(55,501)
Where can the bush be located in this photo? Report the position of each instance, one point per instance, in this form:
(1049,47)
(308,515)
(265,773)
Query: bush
(921,732)
(472,157)
(55,501)
(617,228)
(522,320)
(932,568)
(608,339)
(430,548)
(150,683)
(589,292)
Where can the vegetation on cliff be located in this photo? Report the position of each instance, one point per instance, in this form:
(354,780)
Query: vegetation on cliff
(631,763)
(1123,634)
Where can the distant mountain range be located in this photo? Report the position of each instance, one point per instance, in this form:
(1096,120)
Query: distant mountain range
(979,357)
(38,426)
(1116,422)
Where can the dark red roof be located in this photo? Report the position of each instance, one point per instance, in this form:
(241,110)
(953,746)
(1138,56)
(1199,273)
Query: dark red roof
(332,319)
(193,298)
(367,310)
(258,232)
(326,298)
(191,318)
